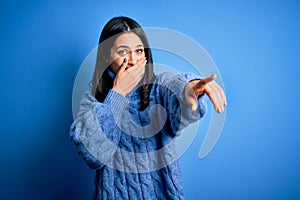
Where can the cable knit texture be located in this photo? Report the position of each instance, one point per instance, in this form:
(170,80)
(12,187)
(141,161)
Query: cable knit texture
(133,152)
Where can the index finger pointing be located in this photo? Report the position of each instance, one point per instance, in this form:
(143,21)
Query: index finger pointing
(209,78)
(205,81)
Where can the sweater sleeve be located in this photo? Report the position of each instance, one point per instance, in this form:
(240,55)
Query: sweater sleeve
(94,131)
(171,95)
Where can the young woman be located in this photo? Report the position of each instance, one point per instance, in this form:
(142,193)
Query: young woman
(126,125)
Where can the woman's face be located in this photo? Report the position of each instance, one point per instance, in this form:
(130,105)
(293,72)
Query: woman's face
(127,45)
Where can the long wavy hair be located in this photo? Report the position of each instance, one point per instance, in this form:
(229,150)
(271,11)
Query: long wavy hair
(102,82)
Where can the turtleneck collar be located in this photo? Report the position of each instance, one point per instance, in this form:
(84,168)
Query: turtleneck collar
(111,74)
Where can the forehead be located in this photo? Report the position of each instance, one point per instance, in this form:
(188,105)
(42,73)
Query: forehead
(128,39)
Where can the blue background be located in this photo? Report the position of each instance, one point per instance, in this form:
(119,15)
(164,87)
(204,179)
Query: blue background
(255,45)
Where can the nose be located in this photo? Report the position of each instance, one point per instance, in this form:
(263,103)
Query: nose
(132,58)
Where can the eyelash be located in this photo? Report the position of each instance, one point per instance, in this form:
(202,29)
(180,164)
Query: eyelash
(139,51)
(124,52)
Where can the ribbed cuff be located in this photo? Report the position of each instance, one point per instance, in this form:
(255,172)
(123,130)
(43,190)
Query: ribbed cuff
(117,101)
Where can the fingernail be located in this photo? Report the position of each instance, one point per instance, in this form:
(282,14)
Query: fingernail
(124,60)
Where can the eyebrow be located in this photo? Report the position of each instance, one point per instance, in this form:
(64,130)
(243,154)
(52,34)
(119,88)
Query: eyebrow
(127,47)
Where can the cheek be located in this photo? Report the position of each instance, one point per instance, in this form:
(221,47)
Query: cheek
(115,65)
(143,54)
(115,62)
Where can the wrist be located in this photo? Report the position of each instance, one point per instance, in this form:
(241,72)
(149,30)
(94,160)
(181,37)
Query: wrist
(115,89)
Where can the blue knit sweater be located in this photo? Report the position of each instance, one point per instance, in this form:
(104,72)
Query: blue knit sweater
(132,151)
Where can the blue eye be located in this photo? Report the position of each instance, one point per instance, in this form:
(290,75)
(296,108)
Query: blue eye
(139,51)
(122,52)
